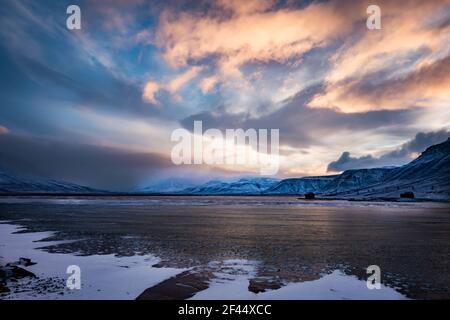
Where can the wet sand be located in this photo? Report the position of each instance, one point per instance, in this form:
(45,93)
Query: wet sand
(410,243)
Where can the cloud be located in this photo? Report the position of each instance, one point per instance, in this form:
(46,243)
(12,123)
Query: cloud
(426,86)
(400,155)
(92,165)
(150,90)
(3,130)
(179,81)
(208,83)
(252,32)
(422,141)
(302,126)
(346,162)
(371,65)
(233,38)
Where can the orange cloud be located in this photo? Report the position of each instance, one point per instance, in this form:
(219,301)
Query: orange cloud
(426,86)
(179,81)
(208,83)
(407,28)
(150,90)
(251,33)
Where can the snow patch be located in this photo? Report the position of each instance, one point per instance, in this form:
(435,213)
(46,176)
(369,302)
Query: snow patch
(233,285)
(102,276)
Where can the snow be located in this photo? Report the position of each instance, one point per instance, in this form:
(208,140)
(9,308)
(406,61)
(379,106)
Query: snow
(102,276)
(111,277)
(15,183)
(335,286)
(246,185)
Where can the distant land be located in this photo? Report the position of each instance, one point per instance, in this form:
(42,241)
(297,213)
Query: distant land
(427,177)
(12,183)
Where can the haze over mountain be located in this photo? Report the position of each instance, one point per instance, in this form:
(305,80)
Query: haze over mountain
(428,177)
(11,183)
(246,185)
(169,185)
(98,106)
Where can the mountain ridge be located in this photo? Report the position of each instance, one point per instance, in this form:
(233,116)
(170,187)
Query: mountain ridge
(428,176)
(11,183)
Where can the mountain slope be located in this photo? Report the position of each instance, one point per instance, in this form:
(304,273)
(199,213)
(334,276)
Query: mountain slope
(250,185)
(300,185)
(14,183)
(351,180)
(428,176)
(171,185)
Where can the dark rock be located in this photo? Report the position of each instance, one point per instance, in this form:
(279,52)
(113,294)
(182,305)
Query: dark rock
(12,273)
(26,262)
(408,195)
(183,286)
(256,286)
(310,195)
(4,288)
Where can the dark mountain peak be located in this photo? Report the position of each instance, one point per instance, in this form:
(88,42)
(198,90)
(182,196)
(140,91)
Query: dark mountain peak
(443,147)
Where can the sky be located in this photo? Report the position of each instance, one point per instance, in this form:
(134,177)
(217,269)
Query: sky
(97,106)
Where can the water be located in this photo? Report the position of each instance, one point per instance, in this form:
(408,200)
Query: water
(292,240)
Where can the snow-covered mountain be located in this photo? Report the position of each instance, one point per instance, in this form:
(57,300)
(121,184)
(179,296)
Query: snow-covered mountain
(170,185)
(15,183)
(356,179)
(247,185)
(428,177)
(300,185)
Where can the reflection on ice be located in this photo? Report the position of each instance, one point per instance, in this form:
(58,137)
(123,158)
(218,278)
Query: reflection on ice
(102,276)
(111,277)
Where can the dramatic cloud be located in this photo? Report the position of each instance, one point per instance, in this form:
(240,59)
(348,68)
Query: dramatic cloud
(401,155)
(427,86)
(250,32)
(413,38)
(95,166)
(139,69)
(301,126)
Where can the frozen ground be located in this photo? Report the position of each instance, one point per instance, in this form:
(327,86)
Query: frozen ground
(196,201)
(233,284)
(102,276)
(111,277)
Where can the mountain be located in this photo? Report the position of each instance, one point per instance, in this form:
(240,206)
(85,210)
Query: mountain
(171,185)
(428,177)
(248,185)
(15,183)
(351,180)
(300,185)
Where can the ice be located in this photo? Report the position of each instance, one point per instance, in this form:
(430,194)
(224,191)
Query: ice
(102,276)
(333,286)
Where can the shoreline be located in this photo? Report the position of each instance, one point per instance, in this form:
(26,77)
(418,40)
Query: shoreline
(142,195)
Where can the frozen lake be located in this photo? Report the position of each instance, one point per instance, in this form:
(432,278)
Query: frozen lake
(282,248)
